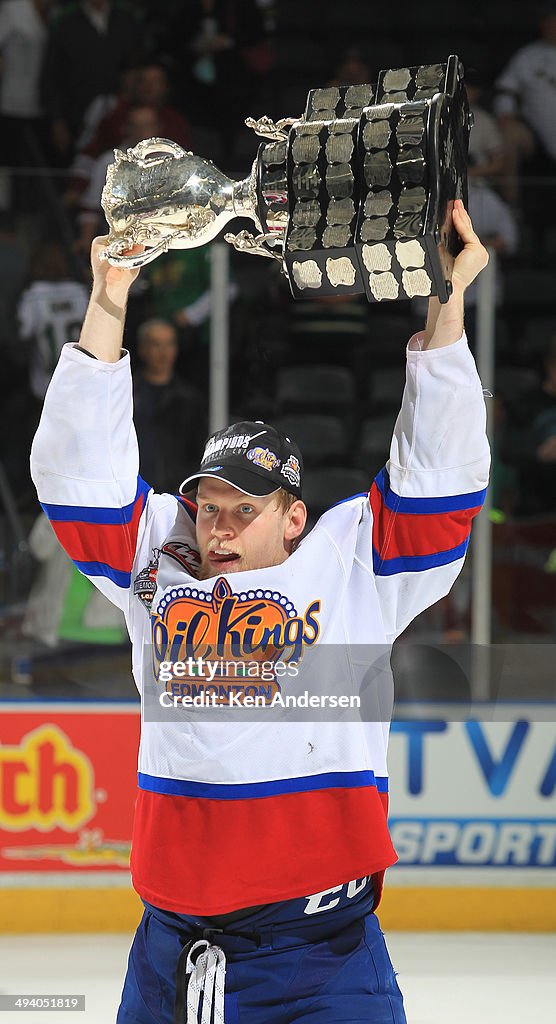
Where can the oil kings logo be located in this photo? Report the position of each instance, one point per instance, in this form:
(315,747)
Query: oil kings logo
(264,458)
(247,632)
(45,783)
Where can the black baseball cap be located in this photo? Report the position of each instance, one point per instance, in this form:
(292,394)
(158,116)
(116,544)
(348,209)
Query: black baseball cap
(252,456)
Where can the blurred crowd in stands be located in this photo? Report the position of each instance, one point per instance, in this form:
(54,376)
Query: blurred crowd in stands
(78,79)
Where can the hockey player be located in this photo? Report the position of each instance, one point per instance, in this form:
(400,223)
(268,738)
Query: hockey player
(259,847)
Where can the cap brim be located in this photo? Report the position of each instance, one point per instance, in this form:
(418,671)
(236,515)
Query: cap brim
(248,483)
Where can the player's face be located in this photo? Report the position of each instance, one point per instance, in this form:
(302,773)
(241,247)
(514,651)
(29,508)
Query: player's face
(236,532)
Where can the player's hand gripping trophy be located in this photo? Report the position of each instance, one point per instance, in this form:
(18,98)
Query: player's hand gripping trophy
(354,196)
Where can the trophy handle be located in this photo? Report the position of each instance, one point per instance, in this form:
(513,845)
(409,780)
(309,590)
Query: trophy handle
(258,246)
(145,152)
(137,260)
(277,131)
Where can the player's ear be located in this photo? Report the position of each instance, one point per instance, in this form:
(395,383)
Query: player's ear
(296,517)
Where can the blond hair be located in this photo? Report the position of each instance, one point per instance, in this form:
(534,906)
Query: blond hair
(284,499)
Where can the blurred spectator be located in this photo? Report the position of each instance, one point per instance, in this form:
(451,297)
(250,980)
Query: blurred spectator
(503,476)
(530,442)
(50,313)
(351,69)
(62,603)
(101,107)
(23,36)
(180,291)
(145,86)
(89,44)
(13,268)
(486,146)
(169,415)
(495,222)
(221,55)
(496,226)
(180,286)
(526,109)
(142,122)
(15,440)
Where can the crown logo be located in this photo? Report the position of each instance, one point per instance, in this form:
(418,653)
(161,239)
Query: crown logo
(222,637)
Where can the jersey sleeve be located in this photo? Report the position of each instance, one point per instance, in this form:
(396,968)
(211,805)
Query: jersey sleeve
(424,500)
(85,466)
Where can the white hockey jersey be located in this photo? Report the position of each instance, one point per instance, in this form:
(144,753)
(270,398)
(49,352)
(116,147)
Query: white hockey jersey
(230,814)
(49,313)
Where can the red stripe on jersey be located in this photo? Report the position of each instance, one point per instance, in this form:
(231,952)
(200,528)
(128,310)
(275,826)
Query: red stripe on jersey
(190,506)
(377,878)
(405,534)
(201,856)
(112,544)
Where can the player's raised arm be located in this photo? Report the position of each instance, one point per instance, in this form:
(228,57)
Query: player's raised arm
(84,459)
(445,321)
(103,327)
(425,498)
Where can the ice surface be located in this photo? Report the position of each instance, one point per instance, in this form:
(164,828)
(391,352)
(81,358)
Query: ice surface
(455,977)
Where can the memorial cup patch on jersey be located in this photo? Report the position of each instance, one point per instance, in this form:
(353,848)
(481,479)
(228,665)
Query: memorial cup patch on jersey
(146,581)
(144,584)
(224,640)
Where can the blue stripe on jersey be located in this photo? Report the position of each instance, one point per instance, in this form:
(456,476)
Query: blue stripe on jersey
(87,514)
(189,506)
(251,790)
(416,563)
(426,506)
(118,576)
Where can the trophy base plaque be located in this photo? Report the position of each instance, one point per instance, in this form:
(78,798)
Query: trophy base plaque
(371,189)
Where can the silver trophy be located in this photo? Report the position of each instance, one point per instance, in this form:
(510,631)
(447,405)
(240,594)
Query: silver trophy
(353,196)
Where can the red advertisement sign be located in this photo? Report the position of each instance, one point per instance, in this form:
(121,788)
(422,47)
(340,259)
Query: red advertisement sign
(68,777)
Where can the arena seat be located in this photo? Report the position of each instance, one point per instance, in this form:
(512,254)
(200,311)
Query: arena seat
(294,16)
(321,438)
(358,16)
(532,341)
(528,286)
(511,381)
(388,385)
(291,52)
(325,487)
(315,388)
(374,443)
